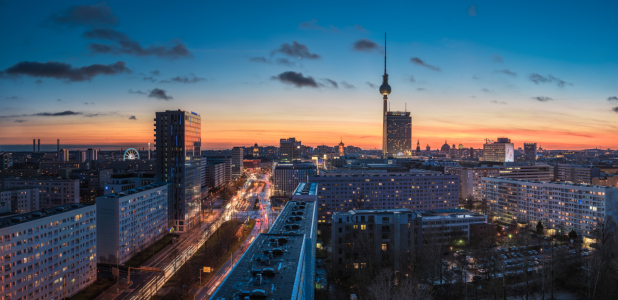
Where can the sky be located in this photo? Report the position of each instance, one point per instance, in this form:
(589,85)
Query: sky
(95,73)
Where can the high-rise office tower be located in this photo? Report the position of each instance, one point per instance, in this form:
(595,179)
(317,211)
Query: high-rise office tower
(501,150)
(63,155)
(92,154)
(177,143)
(397,125)
(289,149)
(237,161)
(33,145)
(530,151)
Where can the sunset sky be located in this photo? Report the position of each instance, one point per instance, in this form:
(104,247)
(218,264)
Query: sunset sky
(95,73)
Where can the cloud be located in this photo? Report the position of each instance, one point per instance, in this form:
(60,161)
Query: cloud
(497,58)
(155,72)
(258,59)
(366,45)
(279,61)
(360,28)
(497,102)
(296,50)
(126,45)
(507,72)
(472,11)
(615,109)
(347,85)
(132,118)
(486,90)
(313,24)
(296,79)
(284,61)
(59,100)
(612,98)
(57,114)
(65,71)
(371,85)
(137,92)
(421,89)
(159,94)
(537,78)
(412,78)
(417,61)
(542,98)
(150,78)
(331,82)
(88,103)
(20,121)
(184,79)
(90,15)
(15,98)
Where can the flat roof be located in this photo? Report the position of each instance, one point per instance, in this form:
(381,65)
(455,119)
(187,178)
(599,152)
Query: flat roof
(17,219)
(135,190)
(296,217)
(306,189)
(278,262)
(552,183)
(26,187)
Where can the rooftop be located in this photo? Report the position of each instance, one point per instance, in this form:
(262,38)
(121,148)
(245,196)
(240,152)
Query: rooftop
(8,189)
(35,215)
(133,191)
(296,217)
(306,189)
(552,183)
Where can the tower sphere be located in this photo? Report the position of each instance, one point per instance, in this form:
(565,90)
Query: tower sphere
(385,89)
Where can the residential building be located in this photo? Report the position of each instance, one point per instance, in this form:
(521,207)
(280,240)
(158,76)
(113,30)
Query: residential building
(61,250)
(237,162)
(20,199)
(530,151)
(91,183)
(124,182)
(445,226)
(501,150)
(130,221)
(92,154)
(20,173)
(178,142)
(227,165)
(576,173)
(279,264)
(341,191)
(81,156)
(55,168)
(380,236)
(306,192)
(287,176)
(560,206)
(289,150)
(216,172)
(398,133)
(63,155)
(52,191)
(270,152)
(6,161)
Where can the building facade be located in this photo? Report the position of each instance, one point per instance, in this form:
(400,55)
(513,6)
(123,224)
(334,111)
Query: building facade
(530,151)
(50,253)
(445,226)
(52,192)
(20,199)
(289,149)
(560,206)
(501,150)
(576,173)
(237,162)
(287,176)
(178,142)
(341,191)
(130,221)
(398,133)
(6,161)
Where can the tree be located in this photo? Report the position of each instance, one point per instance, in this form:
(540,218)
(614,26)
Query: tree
(539,227)
(573,235)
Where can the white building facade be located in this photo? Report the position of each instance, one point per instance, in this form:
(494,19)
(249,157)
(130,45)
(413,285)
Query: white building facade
(21,200)
(562,206)
(48,254)
(130,221)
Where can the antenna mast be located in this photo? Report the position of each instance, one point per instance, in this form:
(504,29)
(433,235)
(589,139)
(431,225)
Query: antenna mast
(385,53)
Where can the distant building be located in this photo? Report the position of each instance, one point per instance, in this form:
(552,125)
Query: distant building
(256,150)
(20,173)
(341,148)
(124,182)
(398,133)
(20,199)
(443,226)
(6,161)
(529,151)
(122,166)
(270,152)
(502,150)
(289,150)
(63,155)
(92,154)
(382,236)
(178,142)
(237,162)
(560,206)
(576,173)
(55,168)
(227,166)
(91,183)
(287,176)
(40,271)
(445,148)
(418,147)
(81,156)
(252,164)
(130,221)
(341,191)
(52,191)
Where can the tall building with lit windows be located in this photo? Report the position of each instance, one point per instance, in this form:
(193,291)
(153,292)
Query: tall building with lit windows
(178,141)
(341,191)
(398,133)
(560,206)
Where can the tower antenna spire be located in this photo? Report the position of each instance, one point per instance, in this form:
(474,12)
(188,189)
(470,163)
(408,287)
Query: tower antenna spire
(385,53)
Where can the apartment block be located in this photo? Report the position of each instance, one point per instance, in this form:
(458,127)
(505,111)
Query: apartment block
(20,199)
(52,191)
(576,173)
(287,176)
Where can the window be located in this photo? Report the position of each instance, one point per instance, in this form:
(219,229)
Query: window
(384,247)
(363,227)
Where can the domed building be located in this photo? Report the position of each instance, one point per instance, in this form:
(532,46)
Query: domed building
(445,148)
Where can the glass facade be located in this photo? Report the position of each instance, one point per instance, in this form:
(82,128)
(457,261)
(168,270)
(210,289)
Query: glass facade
(398,133)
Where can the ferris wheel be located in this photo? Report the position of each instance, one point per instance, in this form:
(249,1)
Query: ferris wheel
(131,154)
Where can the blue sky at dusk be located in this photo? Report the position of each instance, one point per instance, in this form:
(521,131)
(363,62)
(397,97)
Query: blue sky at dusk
(544,72)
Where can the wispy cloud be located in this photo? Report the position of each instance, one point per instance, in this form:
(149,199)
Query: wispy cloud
(507,72)
(296,79)
(537,78)
(65,71)
(366,45)
(612,98)
(90,15)
(371,85)
(126,45)
(419,62)
(472,11)
(132,118)
(347,85)
(313,24)
(497,58)
(296,50)
(497,102)
(615,109)
(159,94)
(542,98)
(184,79)
(137,92)
(20,121)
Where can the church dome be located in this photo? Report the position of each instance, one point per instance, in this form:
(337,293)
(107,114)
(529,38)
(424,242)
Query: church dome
(445,148)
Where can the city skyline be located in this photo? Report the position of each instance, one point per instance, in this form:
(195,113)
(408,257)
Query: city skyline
(91,74)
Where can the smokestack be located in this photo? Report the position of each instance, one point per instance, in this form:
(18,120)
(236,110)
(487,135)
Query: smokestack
(148,150)
(58,143)
(39,146)
(33,145)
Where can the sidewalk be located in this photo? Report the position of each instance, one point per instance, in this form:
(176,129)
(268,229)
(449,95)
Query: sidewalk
(202,292)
